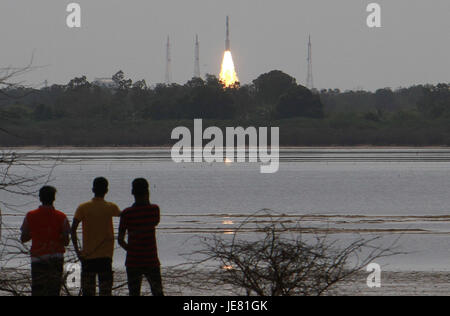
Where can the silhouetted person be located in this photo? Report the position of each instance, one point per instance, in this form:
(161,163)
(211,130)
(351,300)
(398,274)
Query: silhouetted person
(98,240)
(140,222)
(49,230)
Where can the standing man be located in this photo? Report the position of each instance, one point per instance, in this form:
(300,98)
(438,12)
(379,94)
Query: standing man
(98,240)
(140,222)
(49,230)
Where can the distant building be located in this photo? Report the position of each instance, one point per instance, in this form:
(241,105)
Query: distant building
(105,83)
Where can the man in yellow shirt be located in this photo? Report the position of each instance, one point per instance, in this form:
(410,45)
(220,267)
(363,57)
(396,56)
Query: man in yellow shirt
(98,240)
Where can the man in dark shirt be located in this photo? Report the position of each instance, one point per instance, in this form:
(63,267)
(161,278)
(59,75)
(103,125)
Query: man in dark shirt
(140,222)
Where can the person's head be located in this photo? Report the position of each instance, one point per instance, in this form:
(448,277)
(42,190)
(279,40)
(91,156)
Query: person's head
(100,187)
(47,195)
(140,188)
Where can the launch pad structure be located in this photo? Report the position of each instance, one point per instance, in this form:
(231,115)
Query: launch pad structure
(197,73)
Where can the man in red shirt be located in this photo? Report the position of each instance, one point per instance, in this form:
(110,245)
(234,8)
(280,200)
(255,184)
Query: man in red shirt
(140,222)
(49,231)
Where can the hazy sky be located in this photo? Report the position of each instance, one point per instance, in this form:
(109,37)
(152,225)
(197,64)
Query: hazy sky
(412,47)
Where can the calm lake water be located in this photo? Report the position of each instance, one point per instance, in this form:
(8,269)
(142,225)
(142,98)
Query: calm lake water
(388,192)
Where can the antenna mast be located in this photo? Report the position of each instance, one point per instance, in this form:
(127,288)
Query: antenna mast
(168,63)
(309,78)
(197,58)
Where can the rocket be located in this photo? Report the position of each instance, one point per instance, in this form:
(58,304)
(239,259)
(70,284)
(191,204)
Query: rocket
(227,41)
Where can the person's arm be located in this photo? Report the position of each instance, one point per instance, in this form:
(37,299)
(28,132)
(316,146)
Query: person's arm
(122,233)
(25,236)
(75,224)
(156,218)
(66,232)
(116,211)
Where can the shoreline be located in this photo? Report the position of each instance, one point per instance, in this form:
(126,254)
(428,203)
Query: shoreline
(393,283)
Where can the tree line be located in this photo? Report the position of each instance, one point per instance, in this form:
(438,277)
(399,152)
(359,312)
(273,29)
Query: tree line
(123,112)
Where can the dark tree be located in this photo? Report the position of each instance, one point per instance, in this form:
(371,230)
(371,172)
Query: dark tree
(270,86)
(435,101)
(77,84)
(121,83)
(210,101)
(384,100)
(43,112)
(299,101)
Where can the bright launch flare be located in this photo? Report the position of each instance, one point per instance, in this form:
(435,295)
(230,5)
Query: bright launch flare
(228,74)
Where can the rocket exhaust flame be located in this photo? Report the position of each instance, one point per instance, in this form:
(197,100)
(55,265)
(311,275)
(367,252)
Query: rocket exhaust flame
(228,74)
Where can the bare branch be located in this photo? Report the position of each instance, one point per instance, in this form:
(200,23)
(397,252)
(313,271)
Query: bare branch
(278,260)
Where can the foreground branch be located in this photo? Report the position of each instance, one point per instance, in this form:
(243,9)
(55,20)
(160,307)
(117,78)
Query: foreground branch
(279,261)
